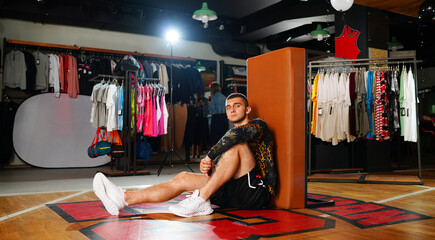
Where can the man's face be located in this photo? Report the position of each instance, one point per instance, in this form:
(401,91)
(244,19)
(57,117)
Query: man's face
(236,110)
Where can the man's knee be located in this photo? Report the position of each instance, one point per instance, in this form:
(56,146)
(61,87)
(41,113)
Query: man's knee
(241,151)
(239,147)
(182,177)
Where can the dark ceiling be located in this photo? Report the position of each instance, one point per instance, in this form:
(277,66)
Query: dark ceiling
(248,24)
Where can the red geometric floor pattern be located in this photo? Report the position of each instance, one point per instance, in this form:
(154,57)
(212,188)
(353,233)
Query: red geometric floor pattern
(366,214)
(140,222)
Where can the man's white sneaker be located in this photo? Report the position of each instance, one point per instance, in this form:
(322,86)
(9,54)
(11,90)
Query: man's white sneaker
(192,206)
(111,195)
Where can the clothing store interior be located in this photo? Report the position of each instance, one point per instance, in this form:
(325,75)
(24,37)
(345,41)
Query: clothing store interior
(136,90)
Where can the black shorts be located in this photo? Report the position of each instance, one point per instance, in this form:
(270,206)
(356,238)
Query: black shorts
(246,192)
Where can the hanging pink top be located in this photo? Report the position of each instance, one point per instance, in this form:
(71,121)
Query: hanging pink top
(141,108)
(161,120)
(149,127)
(155,129)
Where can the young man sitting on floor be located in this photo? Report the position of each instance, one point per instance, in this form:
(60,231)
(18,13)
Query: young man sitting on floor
(238,172)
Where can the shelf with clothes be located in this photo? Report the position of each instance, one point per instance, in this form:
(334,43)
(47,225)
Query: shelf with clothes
(36,68)
(382,101)
(231,73)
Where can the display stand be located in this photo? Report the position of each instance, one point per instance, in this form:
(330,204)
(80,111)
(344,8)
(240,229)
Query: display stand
(130,77)
(361,178)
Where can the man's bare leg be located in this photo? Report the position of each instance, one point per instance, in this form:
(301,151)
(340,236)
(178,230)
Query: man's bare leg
(167,190)
(234,163)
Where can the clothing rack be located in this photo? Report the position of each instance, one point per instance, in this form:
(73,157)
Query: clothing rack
(125,137)
(319,64)
(77,50)
(99,76)
(149,79)
(237,84)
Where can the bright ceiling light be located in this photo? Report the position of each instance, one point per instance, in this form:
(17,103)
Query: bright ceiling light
(172,36)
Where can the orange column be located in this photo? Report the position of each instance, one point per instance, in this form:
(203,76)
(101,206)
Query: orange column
(276,94)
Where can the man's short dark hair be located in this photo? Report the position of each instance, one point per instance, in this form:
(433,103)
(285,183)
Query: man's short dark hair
(239,95)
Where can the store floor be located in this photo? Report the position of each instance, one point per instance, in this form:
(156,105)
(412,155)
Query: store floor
(59,204)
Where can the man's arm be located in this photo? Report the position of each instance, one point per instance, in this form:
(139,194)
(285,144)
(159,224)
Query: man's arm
(250,131)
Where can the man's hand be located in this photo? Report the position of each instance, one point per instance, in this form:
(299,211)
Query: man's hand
(206,166)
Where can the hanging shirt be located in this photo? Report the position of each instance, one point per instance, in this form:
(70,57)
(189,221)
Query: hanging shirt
(61,73)
(42,63)
(73,79)
(362,121)
(346,45)
(349,137)
(352,126)
(101,106)
(410,107)
(111,108)
(53,77)
(30,71)
(403,85)
(165,115)
(343,108)
(158,114)
(163,77)
(148,126)
(140,102)
(121,108)
(15,70)
(394,124)
(95,103)
(314,100)
(320,105)
(369,104)
(154,109)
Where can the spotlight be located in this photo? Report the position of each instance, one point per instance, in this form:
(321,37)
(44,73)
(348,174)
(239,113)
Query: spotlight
(172,36)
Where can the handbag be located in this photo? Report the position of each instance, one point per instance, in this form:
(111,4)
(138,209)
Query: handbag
(143,148)
(99,148)
(117,149)
(128,63)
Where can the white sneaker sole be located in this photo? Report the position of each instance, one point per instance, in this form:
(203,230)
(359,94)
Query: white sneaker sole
(100,191)
(174,210)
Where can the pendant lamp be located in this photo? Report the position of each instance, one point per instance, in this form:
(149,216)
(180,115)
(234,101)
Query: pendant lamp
(199,67)
(204,15)
(319,33)
(394,44)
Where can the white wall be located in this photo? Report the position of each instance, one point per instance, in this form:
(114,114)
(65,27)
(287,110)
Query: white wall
(86,37)
(58,34)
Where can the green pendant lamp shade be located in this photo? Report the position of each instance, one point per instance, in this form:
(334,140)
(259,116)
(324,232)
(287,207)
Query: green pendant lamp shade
(319,33)
(204,14)
(199,67)
(394,44)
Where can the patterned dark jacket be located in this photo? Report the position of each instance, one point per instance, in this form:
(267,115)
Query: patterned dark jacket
(257,135)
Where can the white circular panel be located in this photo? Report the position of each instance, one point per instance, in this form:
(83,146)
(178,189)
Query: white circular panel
(55,132)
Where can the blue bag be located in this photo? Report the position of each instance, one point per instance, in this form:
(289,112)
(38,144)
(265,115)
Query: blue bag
(143,148)
(99,148)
